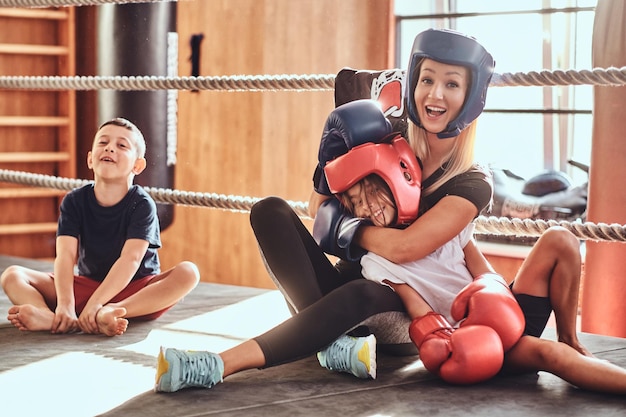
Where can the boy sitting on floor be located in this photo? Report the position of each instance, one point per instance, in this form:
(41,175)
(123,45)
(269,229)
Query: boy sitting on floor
(110,229)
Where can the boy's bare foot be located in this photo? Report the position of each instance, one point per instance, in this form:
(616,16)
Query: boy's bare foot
(111,321)
(28,317)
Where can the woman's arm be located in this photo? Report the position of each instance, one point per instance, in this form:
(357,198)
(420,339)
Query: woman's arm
(442,222)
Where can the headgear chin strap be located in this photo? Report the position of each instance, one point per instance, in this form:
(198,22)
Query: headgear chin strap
(393,161)
(453,48)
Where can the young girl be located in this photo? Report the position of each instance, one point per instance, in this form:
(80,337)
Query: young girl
(434,278)
(447,79)
(371,183)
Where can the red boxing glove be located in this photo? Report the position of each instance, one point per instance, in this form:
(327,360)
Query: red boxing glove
(459,356)
(488,301)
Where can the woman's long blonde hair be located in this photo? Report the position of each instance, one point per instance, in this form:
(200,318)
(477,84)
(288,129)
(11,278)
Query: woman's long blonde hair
(461,157)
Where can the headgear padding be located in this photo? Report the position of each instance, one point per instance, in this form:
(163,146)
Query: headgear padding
(393,161)
(453,48)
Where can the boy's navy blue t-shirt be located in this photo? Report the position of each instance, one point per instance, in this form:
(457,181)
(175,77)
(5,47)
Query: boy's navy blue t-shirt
(102,231)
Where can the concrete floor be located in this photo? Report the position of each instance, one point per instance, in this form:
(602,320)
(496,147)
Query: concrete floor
(84,375)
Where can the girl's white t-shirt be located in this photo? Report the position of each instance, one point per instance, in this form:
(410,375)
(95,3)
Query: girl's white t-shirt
(438,277)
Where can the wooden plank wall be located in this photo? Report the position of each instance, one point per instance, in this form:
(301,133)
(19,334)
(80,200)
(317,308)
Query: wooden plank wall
(36,127)
(259,143)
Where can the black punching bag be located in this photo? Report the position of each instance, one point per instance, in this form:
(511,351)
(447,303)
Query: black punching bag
(133,41)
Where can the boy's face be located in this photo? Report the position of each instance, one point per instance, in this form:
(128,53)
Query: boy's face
(114,154)
(370,202)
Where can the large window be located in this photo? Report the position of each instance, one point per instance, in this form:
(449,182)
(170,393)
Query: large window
(523,129)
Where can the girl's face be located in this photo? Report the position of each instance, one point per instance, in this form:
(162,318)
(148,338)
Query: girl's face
(439,94)
(371,202)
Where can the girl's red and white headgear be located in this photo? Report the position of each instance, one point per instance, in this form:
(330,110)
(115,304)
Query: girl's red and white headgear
(394,161)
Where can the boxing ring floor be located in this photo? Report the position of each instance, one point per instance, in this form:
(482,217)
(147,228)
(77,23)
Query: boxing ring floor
(84,375)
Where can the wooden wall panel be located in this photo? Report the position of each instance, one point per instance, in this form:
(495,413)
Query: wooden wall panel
(37,132)
(22,31)
(258,143)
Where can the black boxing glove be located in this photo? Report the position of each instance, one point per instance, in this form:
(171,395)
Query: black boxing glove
(347,126)
(334,229)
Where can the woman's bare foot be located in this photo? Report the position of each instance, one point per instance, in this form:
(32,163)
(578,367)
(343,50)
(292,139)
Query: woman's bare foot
(28,317)
(111,321)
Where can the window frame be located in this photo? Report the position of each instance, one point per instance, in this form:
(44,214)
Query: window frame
(558,140)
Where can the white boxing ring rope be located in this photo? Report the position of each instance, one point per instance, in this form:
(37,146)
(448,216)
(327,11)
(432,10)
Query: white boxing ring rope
(243,204)
(288,82)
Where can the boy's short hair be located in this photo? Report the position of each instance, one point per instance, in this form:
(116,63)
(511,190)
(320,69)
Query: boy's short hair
(140,142)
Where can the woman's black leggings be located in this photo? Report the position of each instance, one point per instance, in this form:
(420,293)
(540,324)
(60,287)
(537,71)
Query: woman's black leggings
(327,300)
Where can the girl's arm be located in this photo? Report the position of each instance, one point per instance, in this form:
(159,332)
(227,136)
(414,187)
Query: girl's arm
(475,261)
(442,222)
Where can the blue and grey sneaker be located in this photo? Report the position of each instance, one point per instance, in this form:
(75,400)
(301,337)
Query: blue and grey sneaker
(354,355)
(178,369)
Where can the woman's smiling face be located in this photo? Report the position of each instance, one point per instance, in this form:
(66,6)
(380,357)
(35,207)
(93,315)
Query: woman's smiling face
(439,93)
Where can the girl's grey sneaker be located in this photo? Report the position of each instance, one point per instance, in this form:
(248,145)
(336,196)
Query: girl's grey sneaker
(354,355)
(178,369)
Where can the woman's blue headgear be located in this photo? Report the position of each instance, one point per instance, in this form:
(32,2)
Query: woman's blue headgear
(453,48)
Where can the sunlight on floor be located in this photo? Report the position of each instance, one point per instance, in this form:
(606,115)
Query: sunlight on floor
(72,385)
(219,329)
(85,384)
